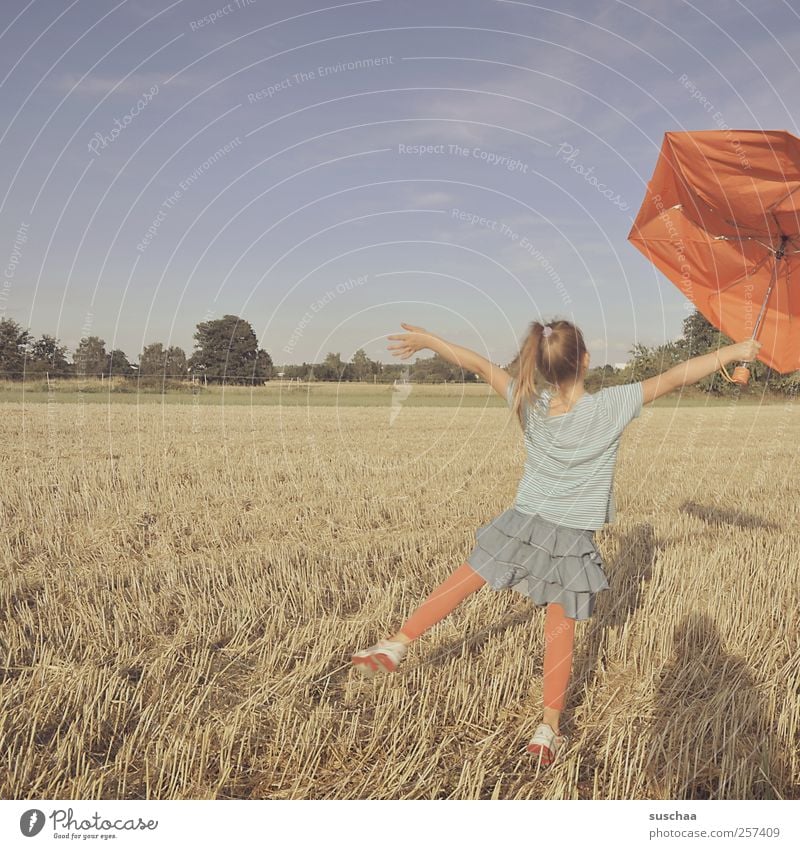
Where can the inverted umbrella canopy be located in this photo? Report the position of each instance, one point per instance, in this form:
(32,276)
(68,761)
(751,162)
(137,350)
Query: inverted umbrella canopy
(721,219)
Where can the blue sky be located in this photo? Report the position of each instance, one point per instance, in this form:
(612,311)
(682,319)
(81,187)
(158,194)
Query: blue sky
(168,163)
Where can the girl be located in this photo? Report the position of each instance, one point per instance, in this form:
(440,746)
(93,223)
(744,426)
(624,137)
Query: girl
(544,544)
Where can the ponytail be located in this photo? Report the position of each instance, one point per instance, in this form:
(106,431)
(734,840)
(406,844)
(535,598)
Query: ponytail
(528,357)
(557,357)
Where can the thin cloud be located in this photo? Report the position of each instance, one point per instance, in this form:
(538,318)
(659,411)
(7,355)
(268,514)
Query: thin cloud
(435,200)
(95,84)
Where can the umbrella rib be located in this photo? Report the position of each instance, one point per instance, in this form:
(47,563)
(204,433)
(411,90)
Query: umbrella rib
(745,276)
(781,200)
(742,238)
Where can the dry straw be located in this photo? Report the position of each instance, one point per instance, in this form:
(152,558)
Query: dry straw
(179,604)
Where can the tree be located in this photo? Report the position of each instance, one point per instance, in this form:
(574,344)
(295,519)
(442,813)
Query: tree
(14,342)
(264,365)
(436,369)
(47,357)
(152,360)
(117,364)
(294,372)
(157,361)
(332,368)
(227,350)
(90,358)
(700,335)
(177,367)
(363,368)
(648,362)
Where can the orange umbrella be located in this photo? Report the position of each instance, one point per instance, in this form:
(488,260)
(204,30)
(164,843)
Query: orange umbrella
(721,219)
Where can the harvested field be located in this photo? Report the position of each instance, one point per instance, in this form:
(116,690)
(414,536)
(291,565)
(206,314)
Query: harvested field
(183,586)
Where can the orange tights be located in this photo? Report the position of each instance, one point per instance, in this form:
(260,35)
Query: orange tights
(559,630)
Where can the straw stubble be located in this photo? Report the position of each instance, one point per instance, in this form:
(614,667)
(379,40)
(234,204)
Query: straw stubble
(180,604)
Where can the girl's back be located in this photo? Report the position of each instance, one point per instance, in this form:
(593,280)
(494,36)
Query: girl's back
(569,468)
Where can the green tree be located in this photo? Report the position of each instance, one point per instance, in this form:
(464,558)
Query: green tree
(90,357)
(14,347)
(332,368)
(363,368)
(648,362)
(117,364)
(226,349)
(152,360)
(177,366)
(601,376)
(264,366)
(158,361)
(47,357)
(295,372)
(436,369)
(700,335)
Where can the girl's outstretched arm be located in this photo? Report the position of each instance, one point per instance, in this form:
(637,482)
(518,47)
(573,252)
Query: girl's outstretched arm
(417,338)
(697,368)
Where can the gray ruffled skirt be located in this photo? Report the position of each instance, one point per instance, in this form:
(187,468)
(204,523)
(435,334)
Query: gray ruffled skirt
(542,560)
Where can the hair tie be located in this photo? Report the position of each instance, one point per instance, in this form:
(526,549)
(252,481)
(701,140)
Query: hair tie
(547,331)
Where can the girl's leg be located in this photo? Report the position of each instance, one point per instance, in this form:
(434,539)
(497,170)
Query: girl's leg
(443,600)
(559,635)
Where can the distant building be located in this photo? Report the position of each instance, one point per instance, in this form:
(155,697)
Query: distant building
(619,365)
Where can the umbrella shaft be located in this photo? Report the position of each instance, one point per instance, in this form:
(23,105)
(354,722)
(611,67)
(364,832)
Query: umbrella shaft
(766,297)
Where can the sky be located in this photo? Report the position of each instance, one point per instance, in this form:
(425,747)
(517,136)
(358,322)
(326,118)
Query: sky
(328,171)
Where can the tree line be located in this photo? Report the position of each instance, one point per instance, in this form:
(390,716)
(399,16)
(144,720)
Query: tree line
(362,369)
(699,337)
(227,350)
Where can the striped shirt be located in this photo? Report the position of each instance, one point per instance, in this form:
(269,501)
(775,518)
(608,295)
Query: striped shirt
(569,468)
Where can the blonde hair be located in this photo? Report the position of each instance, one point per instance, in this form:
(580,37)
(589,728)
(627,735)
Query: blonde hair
(556,356)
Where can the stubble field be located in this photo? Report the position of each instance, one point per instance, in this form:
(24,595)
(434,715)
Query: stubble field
(183,586)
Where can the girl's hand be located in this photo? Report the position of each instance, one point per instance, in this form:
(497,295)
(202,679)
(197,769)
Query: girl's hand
(746,351)
(415,340)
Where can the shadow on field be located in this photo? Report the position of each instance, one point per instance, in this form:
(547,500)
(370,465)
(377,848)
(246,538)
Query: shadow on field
(722,516)
(633,566)
(634,563)
(712,737)
(473,644)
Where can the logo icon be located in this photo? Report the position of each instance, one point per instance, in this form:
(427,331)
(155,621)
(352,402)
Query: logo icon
(401,389)
(31,822)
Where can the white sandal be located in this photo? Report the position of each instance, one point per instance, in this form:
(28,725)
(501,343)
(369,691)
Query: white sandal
(547,744)
(384,656)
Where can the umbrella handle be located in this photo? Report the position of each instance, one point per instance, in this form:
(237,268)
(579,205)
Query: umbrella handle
(741,374)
